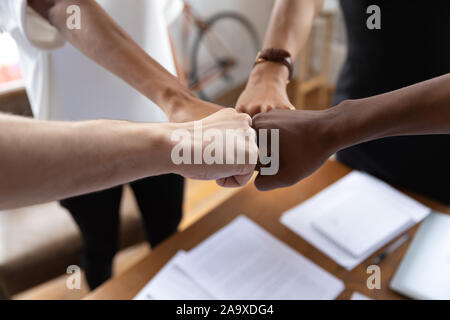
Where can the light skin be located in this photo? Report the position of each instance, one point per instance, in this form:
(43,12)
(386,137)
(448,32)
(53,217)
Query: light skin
(289,28)
(100,34)
(48,160)
(105,42)
(309,138)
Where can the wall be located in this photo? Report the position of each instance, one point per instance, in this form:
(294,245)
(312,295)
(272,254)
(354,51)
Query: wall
(258,12)
(235,39)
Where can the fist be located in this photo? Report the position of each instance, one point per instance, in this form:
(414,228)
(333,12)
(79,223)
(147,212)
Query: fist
(219,147)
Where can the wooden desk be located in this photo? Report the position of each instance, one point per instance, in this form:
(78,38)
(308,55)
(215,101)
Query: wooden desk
(265,209)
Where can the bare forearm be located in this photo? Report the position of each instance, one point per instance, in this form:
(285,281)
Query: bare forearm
(420,109)
(43,161)
(308,138)
(105,42)
(290,24)
(289,28)
(48,160)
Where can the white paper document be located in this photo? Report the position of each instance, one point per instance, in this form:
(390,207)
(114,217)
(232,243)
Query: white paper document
(243,261)
(354,217)
(172,283)
(369,227)
(359,296)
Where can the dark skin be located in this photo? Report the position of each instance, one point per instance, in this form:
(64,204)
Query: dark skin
(309,138)
(299,156)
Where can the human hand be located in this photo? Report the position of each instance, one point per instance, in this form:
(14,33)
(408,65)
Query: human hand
(210,154)
(265,90)
(306,141)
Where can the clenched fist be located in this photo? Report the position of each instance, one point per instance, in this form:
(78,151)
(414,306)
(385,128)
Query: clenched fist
(219,147)
(306,141)
(265,90)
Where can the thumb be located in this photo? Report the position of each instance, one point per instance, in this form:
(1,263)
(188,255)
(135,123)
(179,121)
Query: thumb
(234,181)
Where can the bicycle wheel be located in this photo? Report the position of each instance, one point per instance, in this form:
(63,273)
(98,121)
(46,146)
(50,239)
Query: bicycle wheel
(228,36)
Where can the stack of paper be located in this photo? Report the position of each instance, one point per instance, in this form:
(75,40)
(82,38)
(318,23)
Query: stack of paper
(359,296)
(242,261)
(172,283)
(354,217)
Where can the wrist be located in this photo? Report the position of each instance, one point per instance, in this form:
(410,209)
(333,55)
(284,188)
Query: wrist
(172,97)
(130,150)
(154,147)
(325,126)
(272,72)
(178,101)
(347,125)
(165,144)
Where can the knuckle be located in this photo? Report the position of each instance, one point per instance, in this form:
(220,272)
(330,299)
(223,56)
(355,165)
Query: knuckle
(255,108)
(241,107)
(258,120)
(245,117)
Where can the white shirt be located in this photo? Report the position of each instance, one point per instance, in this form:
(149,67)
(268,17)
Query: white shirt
(63,84)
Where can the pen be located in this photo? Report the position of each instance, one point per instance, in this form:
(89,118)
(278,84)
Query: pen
(398,243)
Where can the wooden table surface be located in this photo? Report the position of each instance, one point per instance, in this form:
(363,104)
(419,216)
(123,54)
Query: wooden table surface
(265,208)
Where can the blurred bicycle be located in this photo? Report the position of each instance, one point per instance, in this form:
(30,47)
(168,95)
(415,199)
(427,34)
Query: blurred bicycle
(224,46)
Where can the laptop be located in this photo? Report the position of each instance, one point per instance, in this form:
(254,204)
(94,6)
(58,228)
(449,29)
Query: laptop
(424,272)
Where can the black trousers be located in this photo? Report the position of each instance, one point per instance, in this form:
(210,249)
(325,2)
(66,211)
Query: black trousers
(160,201)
